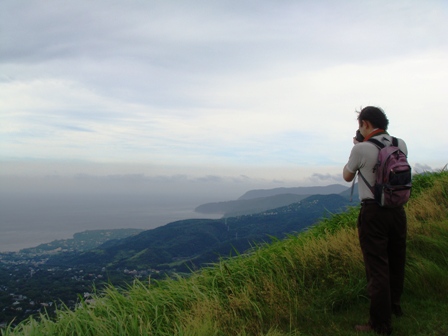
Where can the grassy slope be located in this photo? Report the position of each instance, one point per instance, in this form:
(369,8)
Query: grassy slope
(311,284)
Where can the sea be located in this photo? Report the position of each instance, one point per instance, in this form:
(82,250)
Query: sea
(29,220)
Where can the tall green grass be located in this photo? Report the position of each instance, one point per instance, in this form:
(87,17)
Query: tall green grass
(308,284)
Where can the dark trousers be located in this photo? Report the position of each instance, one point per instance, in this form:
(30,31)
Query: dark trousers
(382,235)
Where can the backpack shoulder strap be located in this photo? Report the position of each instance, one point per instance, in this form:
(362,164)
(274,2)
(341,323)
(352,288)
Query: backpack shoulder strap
(394,141)
(377,143)
(380,145)
(367,183)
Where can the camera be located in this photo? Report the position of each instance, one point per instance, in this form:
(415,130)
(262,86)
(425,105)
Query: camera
(359,136)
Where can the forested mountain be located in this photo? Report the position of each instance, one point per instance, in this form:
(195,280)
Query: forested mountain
(249,206)
(81,241)
(319,190)
(255,201)
(194,242)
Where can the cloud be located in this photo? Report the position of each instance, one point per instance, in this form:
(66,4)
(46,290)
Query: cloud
(320,179)
(214,84)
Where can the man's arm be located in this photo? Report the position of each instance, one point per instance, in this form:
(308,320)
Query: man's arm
(347,174)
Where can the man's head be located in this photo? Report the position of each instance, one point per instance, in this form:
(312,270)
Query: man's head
(375,116)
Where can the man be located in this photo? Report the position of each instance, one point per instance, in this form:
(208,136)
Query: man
(382,231)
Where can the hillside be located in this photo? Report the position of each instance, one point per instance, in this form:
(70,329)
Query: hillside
(307,284)
(192,243)
(81,241)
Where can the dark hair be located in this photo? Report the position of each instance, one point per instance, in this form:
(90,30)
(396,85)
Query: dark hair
(375,115)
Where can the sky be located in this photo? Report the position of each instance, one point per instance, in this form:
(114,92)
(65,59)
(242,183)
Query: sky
(216,90)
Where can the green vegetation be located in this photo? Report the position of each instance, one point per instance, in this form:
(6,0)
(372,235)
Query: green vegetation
(192,243)
(309,284)
(82,241)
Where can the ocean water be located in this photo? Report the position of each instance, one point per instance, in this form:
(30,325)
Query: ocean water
(30,220)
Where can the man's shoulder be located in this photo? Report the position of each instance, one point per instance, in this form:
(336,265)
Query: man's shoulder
(365,145)
(364,151)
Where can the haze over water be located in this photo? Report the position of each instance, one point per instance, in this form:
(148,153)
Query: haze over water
(30,221)
(40,210)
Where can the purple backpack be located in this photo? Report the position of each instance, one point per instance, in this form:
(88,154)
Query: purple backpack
(393,181)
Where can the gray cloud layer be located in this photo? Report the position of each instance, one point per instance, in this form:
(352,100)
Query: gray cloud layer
(250,83)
